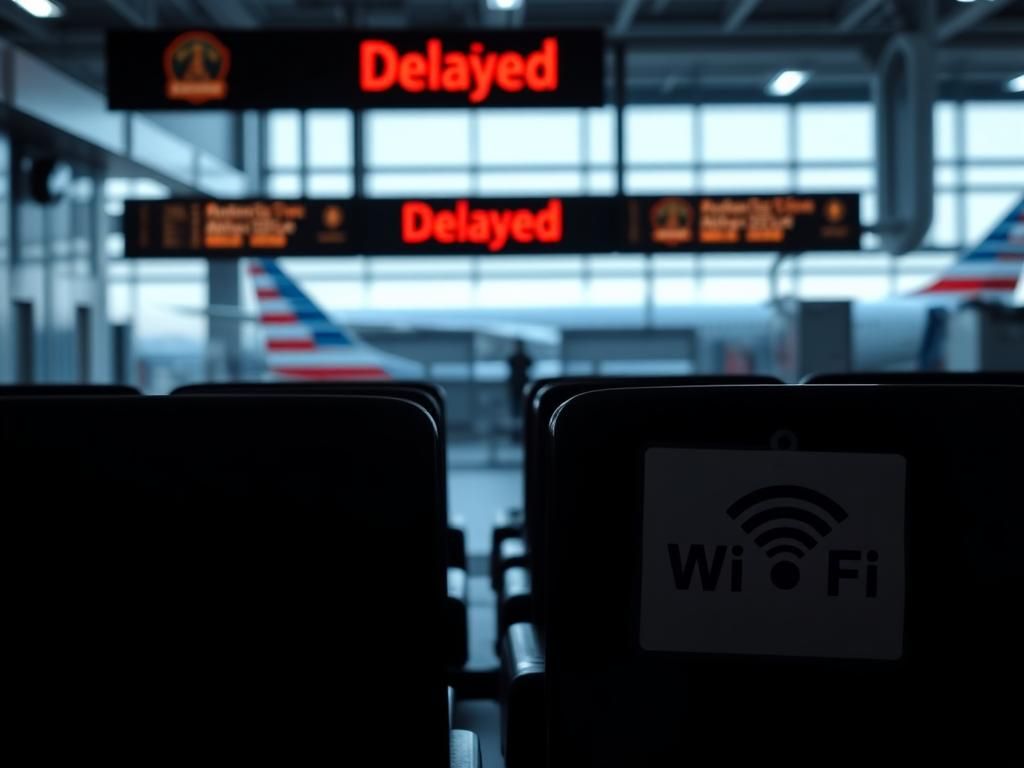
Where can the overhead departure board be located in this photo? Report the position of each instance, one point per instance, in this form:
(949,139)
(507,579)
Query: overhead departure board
(814,222)
(236,228)
(275,69)
(490,226)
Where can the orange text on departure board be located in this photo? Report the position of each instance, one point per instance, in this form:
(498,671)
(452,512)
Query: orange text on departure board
(760,220)
(251,224)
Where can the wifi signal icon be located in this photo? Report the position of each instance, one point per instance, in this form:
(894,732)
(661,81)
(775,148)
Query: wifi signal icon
(787,522)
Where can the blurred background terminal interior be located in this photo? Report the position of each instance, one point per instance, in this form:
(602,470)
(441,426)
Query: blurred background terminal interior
(697,97)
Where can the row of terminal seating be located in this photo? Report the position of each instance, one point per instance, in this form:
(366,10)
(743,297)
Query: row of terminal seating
(702,569)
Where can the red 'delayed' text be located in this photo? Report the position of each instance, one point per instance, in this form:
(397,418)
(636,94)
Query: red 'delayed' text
(490,227)
(476,72)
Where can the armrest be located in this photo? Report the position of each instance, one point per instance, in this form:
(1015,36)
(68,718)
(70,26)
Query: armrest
(465,750)
(456,607)
(515,599)
(507,523)
(509,516)
(523,734)
(511,553)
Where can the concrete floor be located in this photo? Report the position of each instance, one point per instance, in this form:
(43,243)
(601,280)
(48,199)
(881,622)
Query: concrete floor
(475,495)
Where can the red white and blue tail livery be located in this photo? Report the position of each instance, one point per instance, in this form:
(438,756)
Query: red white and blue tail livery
(992,269)
(303,343)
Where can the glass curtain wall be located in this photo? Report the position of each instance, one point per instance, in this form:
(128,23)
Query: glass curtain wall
(679,148)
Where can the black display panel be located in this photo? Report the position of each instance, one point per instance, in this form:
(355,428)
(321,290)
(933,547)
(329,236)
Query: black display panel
(490,226)
(268,69)
(786,223)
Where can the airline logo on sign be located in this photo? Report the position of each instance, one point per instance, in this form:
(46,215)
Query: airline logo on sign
(475,72)
(780,553)
(196,67)
(672,221)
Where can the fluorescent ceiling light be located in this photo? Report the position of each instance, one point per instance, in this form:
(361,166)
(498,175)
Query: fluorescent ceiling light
(504,5)
(1016,85)
(788,81)
(41,9)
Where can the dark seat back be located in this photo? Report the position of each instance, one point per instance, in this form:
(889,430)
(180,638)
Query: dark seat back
(201,575)
(430,397)
(673,635)
(918,377)
(542,399)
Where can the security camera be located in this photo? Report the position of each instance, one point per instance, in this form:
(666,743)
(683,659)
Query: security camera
(49,179)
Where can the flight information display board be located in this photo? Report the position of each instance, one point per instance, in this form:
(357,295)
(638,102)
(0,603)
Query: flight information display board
(230,229)
(813,222)
(275,69)
(538,225)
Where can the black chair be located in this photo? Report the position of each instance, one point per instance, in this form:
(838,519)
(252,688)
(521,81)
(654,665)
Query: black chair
(918,377)
(544,398)
(426,394)
(431,398)
(520,579)
(201,575)
(813,573)
(66,390)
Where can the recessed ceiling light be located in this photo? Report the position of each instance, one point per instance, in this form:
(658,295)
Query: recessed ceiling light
(1016,85)
(504,5)
(787,82)
(41,9)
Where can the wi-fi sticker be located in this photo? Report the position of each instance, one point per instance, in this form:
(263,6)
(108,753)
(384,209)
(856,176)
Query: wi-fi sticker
(786,522)
(773,553)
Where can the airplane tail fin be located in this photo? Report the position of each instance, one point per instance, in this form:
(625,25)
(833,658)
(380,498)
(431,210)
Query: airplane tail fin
(301,341)
(992,269)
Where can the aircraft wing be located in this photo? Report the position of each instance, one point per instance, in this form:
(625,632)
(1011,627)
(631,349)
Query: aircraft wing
(220,312)
(529,332)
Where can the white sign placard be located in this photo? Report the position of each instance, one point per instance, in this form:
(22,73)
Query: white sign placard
(782,553)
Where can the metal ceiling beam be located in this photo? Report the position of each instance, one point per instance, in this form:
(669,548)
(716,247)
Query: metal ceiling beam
(138,13)
(184,7)
(714,33)
(963,19)
(229,13)
(624,18)
(737,14)
(856,13)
